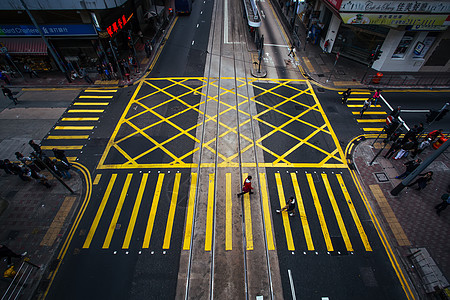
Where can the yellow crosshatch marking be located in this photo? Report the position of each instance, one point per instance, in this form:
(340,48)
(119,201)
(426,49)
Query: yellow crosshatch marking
(120,152)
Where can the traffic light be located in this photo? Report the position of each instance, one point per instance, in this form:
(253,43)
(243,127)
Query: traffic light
(442,113)
(432,115)
(378,53)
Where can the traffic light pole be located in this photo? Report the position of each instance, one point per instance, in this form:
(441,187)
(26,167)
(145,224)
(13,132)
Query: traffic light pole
(441,113)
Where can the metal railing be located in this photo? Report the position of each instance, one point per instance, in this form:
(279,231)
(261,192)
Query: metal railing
(20,280)
(431,80)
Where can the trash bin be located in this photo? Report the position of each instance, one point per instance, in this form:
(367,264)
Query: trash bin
(376,79)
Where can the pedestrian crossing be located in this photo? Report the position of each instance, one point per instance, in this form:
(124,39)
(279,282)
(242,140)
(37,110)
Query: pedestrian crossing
(133,204)
(77,124)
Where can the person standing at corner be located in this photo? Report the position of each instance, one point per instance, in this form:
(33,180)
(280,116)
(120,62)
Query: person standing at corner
(410,166)
(345,95)
(59,154)
(292,52)
(85,76)
(443,205)
(36,148)
(7,92)
(247,188)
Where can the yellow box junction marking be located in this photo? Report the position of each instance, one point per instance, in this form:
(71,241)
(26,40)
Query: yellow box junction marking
(67,137)
(58,222)
(190,213)
(97,179)
(112,225)
(85,111)
(91,103)
(284,215)
(95,97)
(337,213)
(248,218)
(62,147)
(301,209)
(152,215)
(323,224)
(228,213)
(137,204)
(389,215)
(99,213)
(266,210)
(349,201)
(79,119)
(171,217)
(209,213)
(74,127)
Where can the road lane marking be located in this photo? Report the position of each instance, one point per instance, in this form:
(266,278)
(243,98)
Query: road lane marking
(152,215)
(99,213)
(248,218)
(91,103)
(371,120)
(79,119)
(266,209)
(100,91)
(323,224)
(74,127)
(349,201)
(370,113)
(79,147)
(112,225)
(291,282)
(97,179)
(190,213)
(209,213)
(361,105)
(85,110)
(67,137)
(228,213)
(137,204)
(301,209)
(284,214)
(373,129)
(171,216)
(95,97)
(337,213)
(358,93)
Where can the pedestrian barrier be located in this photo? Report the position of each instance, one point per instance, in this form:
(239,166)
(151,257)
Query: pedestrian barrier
(20,279)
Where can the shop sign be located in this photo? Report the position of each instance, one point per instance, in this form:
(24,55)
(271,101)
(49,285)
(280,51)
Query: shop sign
(118,25)
(395,6)
(335,3)
(426,28)
(394,19)
(48,30)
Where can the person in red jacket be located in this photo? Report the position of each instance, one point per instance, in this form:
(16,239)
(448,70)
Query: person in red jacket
(247,188)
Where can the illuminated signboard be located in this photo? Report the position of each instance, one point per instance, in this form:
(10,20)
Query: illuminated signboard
(118,25)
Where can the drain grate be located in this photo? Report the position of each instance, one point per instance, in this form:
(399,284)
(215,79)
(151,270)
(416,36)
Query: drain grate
(381,177)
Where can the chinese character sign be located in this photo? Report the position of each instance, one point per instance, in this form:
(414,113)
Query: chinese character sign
(118,25)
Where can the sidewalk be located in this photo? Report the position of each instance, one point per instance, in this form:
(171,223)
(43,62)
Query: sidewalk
(409,219)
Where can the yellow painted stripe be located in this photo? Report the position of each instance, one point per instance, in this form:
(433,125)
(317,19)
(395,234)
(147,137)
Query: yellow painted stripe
(322,222)
(373,129)
(337,213)
(285,216)
(370,113)
(137,204)
(228,213)
(358,93)
(112,225)
(361,105)
(67,137)
(100,91)
(95,97)
(301,209)
(91,103)
(99,213)
(74,127)
(209,213)
(53,231)
(357,99)
(79,119)
(171,216)
(62,147)
(248,218)
(308,65)
(151,217)
(371,120)
(349,201)
(85,110)
(190,213)
(97,179)
(267,218)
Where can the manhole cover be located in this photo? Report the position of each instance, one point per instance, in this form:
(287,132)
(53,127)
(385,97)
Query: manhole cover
(381,177)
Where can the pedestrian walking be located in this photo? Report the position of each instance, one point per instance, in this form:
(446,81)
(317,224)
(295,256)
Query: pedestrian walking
(85,76)
(59,154)
(36,148)
(292,51)
(7,92)
(410,166)
(422,146)
(289,207)
(394,148)
(6,166)
(423,180)
(364,108)
(126,66)
(101,73)
(112,70)
(345,95)
(8,253)
(247,188)
(63,168)
(376,96)
(107,73)
(406,147)
(148,48)
(395,112)
(30,71)
(325,46)
(443,205)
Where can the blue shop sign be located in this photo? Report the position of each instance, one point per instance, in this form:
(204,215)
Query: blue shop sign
(48,30)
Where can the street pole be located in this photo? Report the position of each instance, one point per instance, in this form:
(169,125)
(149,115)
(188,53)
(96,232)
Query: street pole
(420,168)
(335,62)
(53,173)
(295,15)
(440,112)
(115,58)
(55,57)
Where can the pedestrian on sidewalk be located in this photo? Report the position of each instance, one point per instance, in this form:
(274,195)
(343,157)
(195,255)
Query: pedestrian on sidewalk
(410,166)
(395,112)
(62,167)
(7,92)
(325,46)
(36,148)
(101,73)
(419,130)
(59,154)
(5,165)
(292,51)
(423,180)
(85,76)
(345,95)
(106,71)
(8,253)
(112,70)
(364,108)
(247,188)
(289,207)
(443,205)
(406,147)
(30,71)
(422,146)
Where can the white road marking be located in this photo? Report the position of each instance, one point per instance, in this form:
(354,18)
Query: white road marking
(276,45)
(225,22)
(390,107)
(415,110)
(197,25)
(262,14)
(291,281)
(192,43)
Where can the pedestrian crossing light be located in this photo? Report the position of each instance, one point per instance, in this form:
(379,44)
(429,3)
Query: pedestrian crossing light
(377,54)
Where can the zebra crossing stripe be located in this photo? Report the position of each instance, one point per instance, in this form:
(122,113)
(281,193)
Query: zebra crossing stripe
(171,217)
(267,219)
(151,217)
(284,215)
(209,213)
(301,209)
(248,219)
(190,213)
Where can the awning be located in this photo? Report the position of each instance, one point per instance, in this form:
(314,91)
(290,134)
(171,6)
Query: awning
(33,46)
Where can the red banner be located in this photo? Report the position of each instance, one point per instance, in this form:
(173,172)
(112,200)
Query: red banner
(335,3)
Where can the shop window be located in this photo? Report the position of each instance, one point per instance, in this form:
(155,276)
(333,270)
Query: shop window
(404,44)
(421,48)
